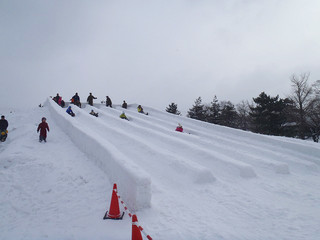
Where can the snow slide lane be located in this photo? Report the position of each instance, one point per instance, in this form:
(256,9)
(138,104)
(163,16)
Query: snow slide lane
(134,184)
(279,150)
(166,140)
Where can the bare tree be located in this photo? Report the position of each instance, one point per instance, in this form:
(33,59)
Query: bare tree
(316,88)
(302,98)
(243,109)
(314,116)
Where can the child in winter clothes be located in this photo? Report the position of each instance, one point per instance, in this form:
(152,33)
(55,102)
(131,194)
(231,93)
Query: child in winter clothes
(43,127)
(179,128)
(123,116)
(94,113)
(70,112)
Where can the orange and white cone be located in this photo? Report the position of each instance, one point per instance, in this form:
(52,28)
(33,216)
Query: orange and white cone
(114,210)
(136,234)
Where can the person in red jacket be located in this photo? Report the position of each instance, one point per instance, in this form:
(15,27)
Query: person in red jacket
(43,127)
(179,128)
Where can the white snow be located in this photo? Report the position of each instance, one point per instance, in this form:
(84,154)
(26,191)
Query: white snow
(210,182)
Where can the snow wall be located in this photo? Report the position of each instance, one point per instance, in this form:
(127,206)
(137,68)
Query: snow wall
(134,184)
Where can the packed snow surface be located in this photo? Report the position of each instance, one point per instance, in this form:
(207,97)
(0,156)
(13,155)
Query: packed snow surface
(210,182)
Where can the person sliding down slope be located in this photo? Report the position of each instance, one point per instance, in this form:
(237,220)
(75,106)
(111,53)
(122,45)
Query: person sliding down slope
(123,116)
(179,128)
(70,112)
(140,110)
(94,113)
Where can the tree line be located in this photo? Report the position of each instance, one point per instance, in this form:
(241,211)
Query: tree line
(297,115)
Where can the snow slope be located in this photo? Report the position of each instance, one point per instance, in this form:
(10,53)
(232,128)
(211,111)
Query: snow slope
(211,182)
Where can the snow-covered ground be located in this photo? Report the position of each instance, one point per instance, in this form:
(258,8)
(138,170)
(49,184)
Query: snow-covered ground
(210,182)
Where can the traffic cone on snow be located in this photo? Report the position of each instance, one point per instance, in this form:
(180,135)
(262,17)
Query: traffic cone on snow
(114,210)
(136,234)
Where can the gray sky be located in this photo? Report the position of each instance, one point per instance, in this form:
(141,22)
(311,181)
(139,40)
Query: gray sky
(155,52)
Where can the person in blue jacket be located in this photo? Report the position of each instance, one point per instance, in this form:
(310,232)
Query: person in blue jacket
(70,112)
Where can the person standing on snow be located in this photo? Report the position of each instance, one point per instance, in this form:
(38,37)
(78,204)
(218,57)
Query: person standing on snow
(3,123)
(3,128)
(108,102)
(90,99)
(43,127)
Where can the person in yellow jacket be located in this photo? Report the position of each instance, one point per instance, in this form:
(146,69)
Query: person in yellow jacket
(123,116)
(140,110)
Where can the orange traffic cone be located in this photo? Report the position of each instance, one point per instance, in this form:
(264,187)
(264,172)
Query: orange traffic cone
(114,210)
(136,234)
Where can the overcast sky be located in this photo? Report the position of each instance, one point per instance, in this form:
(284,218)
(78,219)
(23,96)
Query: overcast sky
(155,52)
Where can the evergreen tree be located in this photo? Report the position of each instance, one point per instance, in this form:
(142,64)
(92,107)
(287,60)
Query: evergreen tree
(289,127)
(173,108)
(268,114)
(197,111)
(213,111)
(229,115)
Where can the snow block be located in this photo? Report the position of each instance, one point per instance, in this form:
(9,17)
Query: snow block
(134,184)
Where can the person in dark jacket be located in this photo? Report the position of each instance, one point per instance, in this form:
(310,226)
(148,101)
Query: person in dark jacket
(76,100)
(90,99)
(124,104)
(59,101)
(3,129)
(94,113)
(3,123)
(108,102)
(43,127)
(56,98)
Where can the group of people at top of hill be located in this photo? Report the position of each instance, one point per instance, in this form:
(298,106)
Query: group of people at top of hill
(76,101)
(58,100)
